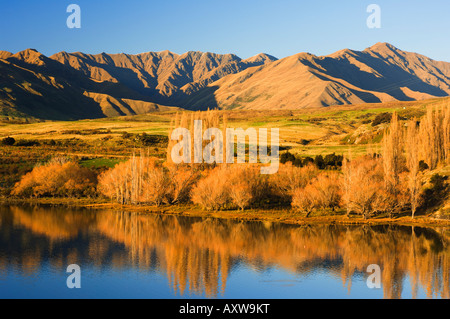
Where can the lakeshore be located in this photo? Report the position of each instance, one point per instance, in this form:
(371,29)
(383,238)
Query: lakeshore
(283,215)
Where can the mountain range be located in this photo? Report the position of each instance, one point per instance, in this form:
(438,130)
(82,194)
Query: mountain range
(68,86)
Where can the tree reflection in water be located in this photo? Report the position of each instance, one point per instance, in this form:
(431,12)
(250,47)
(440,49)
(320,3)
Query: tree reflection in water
(198,254)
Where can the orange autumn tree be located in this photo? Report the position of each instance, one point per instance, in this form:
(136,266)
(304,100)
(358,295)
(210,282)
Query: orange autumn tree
(394,166)
(144,180)
(405,147)
(289,178)
(434,136)
(230,186)
(57,178)
(209,118)
(414,175)
(305,199)
(364,181)
(322,192)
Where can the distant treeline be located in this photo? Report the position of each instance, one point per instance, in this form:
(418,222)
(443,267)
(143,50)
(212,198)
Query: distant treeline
(329,161)
(137,140)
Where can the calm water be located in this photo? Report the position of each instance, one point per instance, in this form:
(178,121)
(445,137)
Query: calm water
(129,255)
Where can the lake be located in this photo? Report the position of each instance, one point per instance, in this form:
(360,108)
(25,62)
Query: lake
(135,255)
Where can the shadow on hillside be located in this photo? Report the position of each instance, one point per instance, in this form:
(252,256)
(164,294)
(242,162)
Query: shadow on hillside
(392,79)
(201,100)
(36,96)
(131,85)
(365,96)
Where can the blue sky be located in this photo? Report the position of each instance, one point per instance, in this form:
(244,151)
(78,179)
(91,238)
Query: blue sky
(246,27)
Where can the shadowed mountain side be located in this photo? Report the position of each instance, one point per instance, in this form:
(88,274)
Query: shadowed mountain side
(165,77)
(35,61)
(111,106)
(202,100)
(46,89)
(368,72)
(78,85)
(364,96)
(42,96)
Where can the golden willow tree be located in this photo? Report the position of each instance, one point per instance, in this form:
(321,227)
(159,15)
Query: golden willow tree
(363,187)
(394,182)
(434,136)
(58,178)
(393,166)
(144,180)
(424,141)
(209,118)
(414,177)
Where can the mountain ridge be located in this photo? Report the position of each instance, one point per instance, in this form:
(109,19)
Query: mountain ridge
(381,73)
(79,85)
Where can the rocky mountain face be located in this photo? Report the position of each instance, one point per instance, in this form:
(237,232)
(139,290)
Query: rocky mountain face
(380,73)
(77,85)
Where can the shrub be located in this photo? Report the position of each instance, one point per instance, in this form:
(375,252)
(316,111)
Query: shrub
(287,157)
(328,190)
(423,166)
(8,141)
(436,193)
(211,192)
(322,192)
(27,143)
(329,161)
(363,186)
(305,199)
(126,135)
(233,186)
(320,163)
(136,181)
(182,179)
(333,160)
(382,118)
(57,179)
(143,180)
(308,160)
(289,178)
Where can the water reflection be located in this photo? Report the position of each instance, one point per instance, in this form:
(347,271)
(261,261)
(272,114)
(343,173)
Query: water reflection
(198,254)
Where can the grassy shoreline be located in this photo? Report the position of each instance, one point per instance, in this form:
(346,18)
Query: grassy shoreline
(276,215)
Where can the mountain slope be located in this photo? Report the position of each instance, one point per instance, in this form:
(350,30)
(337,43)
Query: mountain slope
(165,77)
(29,86)
(381,73)
(34,85)
(78,85)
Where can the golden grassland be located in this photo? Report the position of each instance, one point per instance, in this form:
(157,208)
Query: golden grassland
(323,128)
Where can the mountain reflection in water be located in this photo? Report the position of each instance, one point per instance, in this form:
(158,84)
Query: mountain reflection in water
(198,255)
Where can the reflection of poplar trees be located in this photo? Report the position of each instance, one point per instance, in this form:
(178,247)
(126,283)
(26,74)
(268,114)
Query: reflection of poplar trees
(197,254)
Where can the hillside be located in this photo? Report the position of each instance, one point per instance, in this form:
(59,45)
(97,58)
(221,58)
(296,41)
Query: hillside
(381,73)
(165,77)
(69,86)
(77,85)
(34,85)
